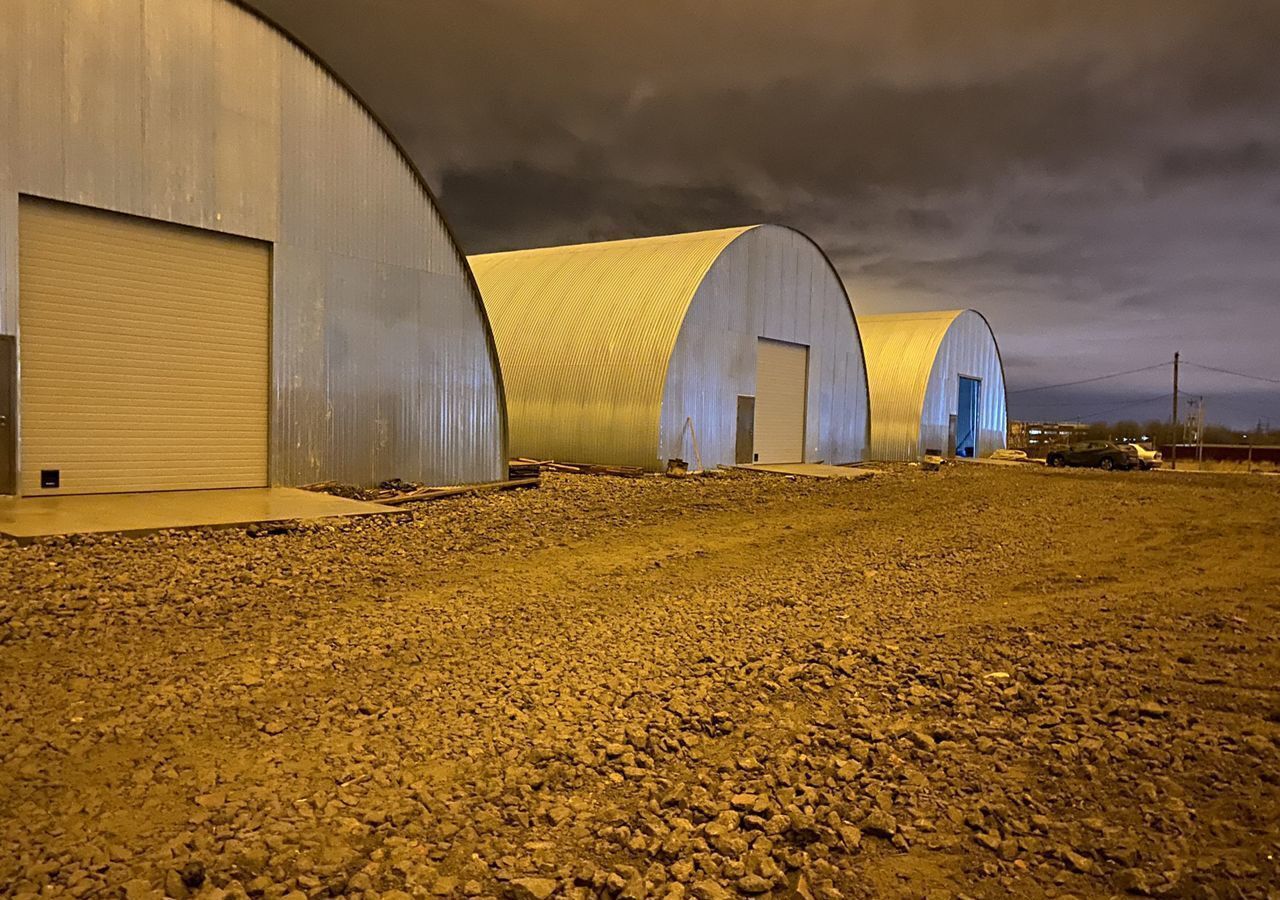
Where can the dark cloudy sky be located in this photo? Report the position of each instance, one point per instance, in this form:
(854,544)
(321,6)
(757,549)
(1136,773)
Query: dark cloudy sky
(1100,177)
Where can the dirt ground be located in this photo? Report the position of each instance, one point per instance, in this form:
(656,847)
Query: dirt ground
(983,682)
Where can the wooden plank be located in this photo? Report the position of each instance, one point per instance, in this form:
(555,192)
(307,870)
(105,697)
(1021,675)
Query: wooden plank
(440,492)
(551,465)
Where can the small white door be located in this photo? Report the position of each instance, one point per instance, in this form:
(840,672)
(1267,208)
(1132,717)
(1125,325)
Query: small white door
(782,390)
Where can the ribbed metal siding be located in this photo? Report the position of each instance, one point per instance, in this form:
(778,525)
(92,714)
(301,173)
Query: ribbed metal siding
(914,361)
(408,375)
(775,283)
(196,112)
(608,348)
(584,334)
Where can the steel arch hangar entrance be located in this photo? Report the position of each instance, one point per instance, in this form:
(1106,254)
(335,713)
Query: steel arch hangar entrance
(740,347)
(145,352)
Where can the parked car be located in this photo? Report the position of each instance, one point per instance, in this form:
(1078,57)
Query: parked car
(1094,454)
(1148,457)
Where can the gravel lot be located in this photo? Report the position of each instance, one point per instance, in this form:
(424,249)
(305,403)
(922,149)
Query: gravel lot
(981,682)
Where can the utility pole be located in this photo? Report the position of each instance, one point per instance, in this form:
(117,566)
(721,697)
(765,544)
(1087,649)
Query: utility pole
(1200,431)
(1174,463)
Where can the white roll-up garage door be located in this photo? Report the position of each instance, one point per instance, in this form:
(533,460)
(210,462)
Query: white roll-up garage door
(144,351)
(782,388)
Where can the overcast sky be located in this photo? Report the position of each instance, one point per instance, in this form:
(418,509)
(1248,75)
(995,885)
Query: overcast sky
(1101,178)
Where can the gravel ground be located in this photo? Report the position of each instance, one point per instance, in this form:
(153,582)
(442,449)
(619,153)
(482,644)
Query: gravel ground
(982,682)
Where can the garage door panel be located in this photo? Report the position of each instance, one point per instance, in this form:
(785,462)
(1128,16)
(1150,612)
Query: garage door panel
(145,353)
(133,312)
(782,388)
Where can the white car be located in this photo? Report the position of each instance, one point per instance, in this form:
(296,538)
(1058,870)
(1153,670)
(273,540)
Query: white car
(1148,458)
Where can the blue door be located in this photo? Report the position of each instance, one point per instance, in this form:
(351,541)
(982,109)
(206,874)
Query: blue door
(967,417)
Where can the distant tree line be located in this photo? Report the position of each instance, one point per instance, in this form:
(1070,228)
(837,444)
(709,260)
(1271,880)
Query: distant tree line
(1158,432)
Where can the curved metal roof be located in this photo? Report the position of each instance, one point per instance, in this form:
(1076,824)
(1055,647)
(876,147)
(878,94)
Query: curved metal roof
(414,169)
(905,352)
(586,333)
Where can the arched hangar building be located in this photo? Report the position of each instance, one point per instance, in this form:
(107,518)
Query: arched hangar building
(217,269)
(620,352)
(937,385)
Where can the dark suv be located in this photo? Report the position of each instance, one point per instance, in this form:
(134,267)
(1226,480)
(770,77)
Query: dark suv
(1094,454)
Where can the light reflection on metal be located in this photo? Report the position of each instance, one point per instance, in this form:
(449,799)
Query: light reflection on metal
(914,361)
(200,113)
(608,348)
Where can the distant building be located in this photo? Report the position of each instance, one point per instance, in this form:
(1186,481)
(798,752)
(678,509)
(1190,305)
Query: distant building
(937,385)
(1039,436)
(621,352)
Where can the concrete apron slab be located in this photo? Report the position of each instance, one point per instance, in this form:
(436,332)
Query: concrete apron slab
(29,518)
(809,470)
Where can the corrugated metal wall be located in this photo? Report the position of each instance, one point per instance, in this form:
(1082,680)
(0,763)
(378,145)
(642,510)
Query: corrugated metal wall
(914,361)
(584,334)
(607,348)
(196,112)
(771,282)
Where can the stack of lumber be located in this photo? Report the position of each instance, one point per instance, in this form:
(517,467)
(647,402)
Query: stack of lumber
(395,492)
(517,469)
(550,465)
(435,493)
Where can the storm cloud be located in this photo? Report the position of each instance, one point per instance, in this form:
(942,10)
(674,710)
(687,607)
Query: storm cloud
(1101,179)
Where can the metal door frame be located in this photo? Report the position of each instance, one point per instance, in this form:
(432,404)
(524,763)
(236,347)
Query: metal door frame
(975,412)
(8,414)
(808,375)
(745,431)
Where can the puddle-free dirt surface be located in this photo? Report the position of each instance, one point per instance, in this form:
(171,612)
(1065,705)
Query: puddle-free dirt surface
(986,681)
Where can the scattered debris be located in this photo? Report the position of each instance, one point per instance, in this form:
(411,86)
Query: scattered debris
(547,465)
(517,469)
(395,492)
(437,493)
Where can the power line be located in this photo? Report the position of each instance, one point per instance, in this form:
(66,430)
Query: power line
(1229,372)
(1073,401)
(1094,415)
(1047,387)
